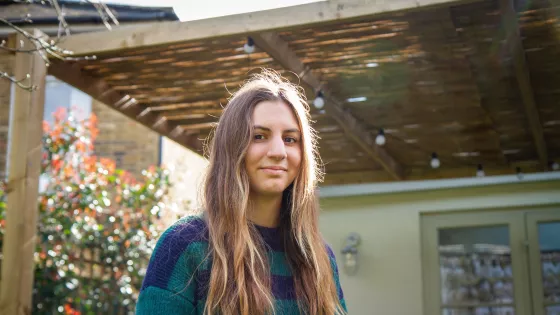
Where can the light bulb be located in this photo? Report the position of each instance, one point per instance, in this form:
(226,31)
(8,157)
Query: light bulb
(319,101)
(519,173)
(480,171)
(555,166)
(249,46)
(435,163)
(380,139)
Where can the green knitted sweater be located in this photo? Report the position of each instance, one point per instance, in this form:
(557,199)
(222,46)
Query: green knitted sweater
(179,256)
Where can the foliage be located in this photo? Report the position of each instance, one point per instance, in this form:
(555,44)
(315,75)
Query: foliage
(97,224)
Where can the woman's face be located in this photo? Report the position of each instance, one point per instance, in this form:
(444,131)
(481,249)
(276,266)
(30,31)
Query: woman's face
(274,154)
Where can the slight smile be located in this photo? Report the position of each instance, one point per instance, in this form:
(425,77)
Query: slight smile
(274,170)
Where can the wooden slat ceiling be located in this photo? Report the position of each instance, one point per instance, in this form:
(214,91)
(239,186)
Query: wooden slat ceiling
(437,80)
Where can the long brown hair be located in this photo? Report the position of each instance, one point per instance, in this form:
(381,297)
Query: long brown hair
(240,274)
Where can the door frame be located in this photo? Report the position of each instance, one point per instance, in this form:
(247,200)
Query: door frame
(430,225)
(532,219)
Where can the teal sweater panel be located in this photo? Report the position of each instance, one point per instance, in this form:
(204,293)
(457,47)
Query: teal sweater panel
(178,274)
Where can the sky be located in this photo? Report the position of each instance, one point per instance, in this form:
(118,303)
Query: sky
(188,10)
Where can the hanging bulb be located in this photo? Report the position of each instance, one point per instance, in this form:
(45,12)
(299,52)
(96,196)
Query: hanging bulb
(519,173)
(435,163)
(380,139)
(319,101)
(249,46)
(554,166)
(480,171)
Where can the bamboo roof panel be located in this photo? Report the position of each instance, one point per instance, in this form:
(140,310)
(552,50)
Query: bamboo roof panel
(436,80)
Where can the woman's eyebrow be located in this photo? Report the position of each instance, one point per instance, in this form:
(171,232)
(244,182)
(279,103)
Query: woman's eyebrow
(261,127)
(292,130)
(268,129)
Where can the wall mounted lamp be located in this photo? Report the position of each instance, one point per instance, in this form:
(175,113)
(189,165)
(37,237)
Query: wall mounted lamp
(350,253)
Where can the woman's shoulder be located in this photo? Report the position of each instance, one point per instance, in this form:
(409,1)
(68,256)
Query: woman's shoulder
(330,251)
(173,259)
(181,234)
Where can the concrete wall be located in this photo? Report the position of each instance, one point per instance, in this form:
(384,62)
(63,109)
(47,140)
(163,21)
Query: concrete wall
(389,280)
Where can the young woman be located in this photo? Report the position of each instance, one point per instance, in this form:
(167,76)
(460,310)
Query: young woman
(256,249)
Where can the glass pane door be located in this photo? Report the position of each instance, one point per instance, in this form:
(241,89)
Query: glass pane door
(543,229)
(475,264)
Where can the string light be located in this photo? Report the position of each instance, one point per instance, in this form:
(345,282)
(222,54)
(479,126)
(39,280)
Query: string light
(249,46)
(480,171)
(519,173)
(435,162)
(380,139)
(319,101)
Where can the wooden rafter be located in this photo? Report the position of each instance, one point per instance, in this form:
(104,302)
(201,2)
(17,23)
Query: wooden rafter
(282,18)
(103,92)
(278,49)
(515,46)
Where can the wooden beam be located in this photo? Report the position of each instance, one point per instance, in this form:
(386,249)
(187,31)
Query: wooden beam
(186,113)
(103,92)
(283,18)
(185,122)
(278,49)
(24,168)
(515,47)
(200,126)
(419,173)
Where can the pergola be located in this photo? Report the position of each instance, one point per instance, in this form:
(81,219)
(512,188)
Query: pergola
(473,81)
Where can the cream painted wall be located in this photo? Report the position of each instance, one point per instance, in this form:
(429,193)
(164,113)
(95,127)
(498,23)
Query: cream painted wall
(389,281)
(187,172)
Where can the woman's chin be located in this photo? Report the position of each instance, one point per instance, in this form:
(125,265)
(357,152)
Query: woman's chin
(273,189)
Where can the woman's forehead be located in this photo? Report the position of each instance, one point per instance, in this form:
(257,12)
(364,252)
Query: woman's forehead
(269,114)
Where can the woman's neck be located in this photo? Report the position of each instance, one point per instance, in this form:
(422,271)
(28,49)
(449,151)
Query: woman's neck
(265,210)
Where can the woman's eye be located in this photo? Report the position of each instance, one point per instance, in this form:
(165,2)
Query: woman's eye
(259,137)
(290,140)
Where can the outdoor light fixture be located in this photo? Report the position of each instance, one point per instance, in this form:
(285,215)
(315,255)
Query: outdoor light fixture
(357,99)
(350,253)
(380,139)
(519,173)
(480,171)
(555,166)
(249,46)
(435,163)
(319,101)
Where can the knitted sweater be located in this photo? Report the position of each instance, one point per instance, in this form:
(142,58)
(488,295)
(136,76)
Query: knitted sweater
(180,253)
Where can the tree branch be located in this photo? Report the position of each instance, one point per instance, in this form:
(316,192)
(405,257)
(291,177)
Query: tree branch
(49,47)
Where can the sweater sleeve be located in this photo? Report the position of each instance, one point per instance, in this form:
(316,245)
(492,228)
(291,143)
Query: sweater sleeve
(336,278)
(169,286)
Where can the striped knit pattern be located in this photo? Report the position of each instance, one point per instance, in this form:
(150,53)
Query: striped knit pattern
(180,252)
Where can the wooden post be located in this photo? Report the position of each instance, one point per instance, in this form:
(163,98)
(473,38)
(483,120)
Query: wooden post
(24,167)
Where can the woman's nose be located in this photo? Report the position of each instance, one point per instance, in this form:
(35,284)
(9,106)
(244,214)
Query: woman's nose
(277,148)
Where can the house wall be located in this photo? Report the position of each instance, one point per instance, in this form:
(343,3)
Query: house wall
(389,280)
(187,173)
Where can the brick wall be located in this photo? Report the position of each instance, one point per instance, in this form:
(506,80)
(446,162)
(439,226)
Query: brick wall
(133,146)
(6,65)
